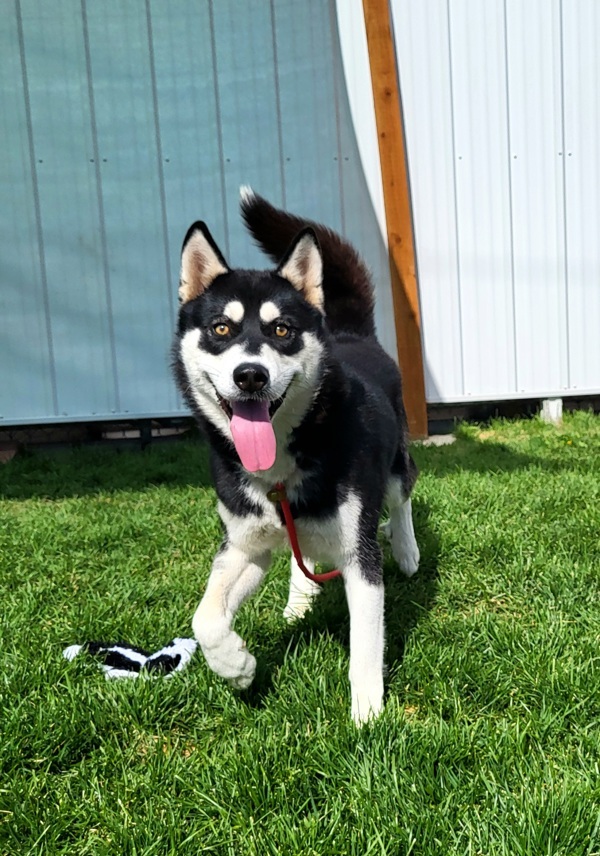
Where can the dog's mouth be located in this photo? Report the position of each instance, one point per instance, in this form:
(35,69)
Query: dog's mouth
(226,406)
(251,430)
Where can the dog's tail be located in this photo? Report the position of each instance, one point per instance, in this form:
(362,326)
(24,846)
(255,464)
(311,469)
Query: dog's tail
(347,287)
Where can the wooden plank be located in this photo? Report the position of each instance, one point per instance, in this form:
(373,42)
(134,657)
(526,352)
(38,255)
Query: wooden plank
(386,96)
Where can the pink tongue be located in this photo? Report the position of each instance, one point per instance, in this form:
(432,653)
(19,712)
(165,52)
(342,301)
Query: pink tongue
(253,434)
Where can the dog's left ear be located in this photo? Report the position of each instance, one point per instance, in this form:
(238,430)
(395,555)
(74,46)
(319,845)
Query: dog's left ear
(201,262)
(302,265)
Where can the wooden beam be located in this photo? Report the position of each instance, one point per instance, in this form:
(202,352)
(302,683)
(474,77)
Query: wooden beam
(392,154)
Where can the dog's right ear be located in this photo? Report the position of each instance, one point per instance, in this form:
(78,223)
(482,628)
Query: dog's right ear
(201,262)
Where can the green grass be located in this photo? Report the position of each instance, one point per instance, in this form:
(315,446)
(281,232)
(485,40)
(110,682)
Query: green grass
(490,740)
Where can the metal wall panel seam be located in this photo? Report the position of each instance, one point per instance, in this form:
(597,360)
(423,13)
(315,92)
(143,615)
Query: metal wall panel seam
(101,212)
(159,161)
(510,202)
(335,62)
(564,183)
(38,213)
(213,49)
(456,218)
(278,103)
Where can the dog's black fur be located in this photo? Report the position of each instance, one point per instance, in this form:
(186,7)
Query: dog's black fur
(354,435)
(327,420)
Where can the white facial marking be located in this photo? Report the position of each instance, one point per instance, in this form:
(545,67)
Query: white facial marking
(199,385)
(234,310)
(269,312)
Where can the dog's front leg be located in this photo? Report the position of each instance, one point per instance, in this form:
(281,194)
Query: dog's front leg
(302,591)
(364,592)
(233,578)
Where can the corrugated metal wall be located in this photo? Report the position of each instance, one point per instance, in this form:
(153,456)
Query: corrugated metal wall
(121,123)
(502,113)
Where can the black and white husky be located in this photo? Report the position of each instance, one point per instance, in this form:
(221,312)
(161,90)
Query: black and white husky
(285,375)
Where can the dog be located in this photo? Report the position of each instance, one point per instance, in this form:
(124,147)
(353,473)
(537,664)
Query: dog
(283,372)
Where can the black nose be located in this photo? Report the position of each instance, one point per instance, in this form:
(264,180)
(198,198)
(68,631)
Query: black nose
(250,377)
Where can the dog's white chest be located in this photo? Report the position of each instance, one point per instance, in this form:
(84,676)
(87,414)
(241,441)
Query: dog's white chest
(330,539)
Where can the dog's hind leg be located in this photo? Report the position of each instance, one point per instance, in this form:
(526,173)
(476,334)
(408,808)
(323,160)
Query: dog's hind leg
(399,530)
(302,591)
(233,578)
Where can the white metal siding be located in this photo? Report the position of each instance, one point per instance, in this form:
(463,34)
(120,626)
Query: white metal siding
(581,72)
(502,118)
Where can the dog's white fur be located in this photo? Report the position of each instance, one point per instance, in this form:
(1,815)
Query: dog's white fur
(239,569)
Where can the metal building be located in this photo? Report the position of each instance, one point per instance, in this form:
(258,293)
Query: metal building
(122,121)
(502,116)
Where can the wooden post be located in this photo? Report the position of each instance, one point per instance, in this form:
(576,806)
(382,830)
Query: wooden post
(392,153)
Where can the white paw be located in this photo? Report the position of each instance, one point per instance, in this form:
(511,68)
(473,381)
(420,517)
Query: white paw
(407,556)
(231,660)
(300,601)
(246,675)
(295,611)
(366,704)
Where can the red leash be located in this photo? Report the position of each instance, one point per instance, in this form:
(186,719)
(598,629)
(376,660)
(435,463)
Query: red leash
(279,495)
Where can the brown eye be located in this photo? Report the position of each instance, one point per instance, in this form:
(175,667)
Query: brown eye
(222,329)
(281,330)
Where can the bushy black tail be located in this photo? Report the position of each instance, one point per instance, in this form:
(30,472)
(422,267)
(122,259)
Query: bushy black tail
(347,284)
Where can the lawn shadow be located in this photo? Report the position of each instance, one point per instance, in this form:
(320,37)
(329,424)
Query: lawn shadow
(491,456)
(406,602)
(90,470)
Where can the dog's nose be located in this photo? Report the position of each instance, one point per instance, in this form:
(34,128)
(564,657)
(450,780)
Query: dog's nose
(250,377)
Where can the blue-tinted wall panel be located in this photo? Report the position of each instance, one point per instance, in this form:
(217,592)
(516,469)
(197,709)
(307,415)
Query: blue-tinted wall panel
(123,122)
(68,199)
(131,179)
(27,386)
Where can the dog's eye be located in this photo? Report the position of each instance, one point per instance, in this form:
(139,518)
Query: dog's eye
(222,329)
(282,330)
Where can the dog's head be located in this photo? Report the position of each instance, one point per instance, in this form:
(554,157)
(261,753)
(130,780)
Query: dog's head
(250,343)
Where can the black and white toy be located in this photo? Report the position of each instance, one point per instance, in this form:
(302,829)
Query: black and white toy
(127,661)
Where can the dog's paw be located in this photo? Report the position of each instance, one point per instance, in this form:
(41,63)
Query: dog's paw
(246,675)
(294,612)
(407,556)
(300,601)
(230,659)
(366,705)
(404,548)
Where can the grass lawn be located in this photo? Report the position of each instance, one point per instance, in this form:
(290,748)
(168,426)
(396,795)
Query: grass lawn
(490,740)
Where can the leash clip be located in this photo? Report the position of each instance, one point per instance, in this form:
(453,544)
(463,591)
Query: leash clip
(277,494)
